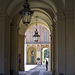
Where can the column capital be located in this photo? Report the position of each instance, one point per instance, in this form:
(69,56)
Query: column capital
(53,25)
(60,16)
(24,36)
(69,14)
(3,17)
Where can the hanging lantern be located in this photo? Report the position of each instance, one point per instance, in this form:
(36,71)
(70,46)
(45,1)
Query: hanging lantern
(36,35)
(26,13)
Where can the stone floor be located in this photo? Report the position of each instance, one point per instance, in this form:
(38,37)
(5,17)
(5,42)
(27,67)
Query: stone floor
(38,70)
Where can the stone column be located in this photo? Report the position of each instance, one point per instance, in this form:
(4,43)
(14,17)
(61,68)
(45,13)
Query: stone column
(7,46)
(51,52)
(53,48)
(49,62)
(14,49)
(60,45)
(21,51)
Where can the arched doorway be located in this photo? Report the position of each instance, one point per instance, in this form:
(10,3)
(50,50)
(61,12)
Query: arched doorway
(45,55)
(44,41)
(31,55)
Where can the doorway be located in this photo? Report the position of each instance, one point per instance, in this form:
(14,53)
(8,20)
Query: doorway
(32,59)
(45,55)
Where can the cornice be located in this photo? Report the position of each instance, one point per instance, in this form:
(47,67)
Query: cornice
(22,36)
(61,16)
(69,14)
(2,17)
(65,15)
(14,27)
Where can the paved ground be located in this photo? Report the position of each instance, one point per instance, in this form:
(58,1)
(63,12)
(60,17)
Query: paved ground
(38,70)
(29,67)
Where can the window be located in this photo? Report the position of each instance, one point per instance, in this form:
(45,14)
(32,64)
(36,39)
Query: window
(32,52)
(45,36)
(31,36)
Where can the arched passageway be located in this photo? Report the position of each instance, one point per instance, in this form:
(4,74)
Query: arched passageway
(30,44)
(45,19)
(50,14)
(45,55)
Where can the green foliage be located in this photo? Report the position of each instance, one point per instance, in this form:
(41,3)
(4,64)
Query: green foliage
(38,58)
(46,54)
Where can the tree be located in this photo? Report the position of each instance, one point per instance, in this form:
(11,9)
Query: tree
(46,54)
(38,58)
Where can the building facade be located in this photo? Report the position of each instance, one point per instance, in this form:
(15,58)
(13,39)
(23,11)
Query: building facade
(36,47)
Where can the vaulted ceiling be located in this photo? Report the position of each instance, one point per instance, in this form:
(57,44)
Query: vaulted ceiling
(46,11)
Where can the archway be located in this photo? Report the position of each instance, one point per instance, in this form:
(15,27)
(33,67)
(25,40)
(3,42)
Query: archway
(31,55)
(46,19)
(45,55)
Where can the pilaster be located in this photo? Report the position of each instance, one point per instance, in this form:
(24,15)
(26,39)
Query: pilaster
(60,44)
(53,48)
(2,44)
(14,49)
(7,46)
(69,15)
(21,51)
(49,62)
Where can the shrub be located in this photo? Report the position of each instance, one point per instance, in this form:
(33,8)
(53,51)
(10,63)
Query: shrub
(38,58)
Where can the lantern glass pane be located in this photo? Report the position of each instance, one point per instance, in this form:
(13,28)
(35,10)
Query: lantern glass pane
(26,18)
(35,39)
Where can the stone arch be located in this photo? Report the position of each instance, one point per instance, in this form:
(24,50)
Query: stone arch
(14,20)
(48,46)
(14,4)
(45,46)
(43,53)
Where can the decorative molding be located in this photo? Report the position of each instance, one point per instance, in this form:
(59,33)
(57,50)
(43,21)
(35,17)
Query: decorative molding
(61,16)
(14,27)
(38,43)
(24,36)
(55,18)
(2,17)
